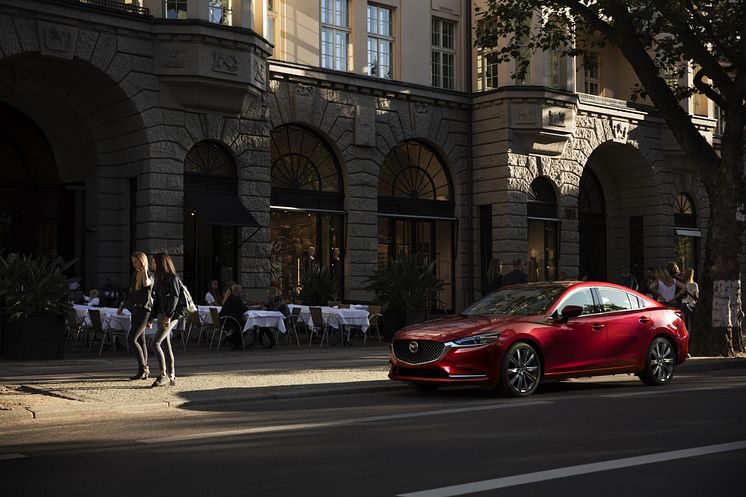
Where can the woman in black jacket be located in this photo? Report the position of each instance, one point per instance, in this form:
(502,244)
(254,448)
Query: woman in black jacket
(235,308)
(167,288)
(139,302)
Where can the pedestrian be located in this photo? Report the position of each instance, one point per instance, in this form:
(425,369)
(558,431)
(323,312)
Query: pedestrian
(516,275)
(166,293)
(493,279)
(234,307)
(139,302)
(675,272)
(213,296)
(664,287)
(689,296)
(627,279)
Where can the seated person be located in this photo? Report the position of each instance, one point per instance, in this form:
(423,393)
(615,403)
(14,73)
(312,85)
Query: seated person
(92,298)
(213,296)
(234,307)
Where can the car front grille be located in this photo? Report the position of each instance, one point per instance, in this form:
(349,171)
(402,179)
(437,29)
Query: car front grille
(427,351)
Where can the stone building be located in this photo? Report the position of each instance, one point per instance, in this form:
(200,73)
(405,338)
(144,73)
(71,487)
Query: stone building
(252,138)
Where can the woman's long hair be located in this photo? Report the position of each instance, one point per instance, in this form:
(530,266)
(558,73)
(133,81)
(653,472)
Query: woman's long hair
(164,267)
(141,276)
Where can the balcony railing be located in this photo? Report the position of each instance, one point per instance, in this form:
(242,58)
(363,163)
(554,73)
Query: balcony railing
(111,6)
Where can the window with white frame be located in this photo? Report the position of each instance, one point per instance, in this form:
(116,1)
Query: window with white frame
(380,41)
(487,65)
(271,23)
(335,34)
(219,11)
(175,9)
(592,74)
(554,69)
(443,54)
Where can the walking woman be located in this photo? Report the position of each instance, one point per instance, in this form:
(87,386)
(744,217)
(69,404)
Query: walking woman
(167,289)
(139,302)
(689,296)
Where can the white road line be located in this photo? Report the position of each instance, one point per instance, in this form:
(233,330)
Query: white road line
(664,391)
(5,457)
(511,481)
(338,422)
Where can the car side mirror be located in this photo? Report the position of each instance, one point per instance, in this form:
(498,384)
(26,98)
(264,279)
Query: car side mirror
(571,311)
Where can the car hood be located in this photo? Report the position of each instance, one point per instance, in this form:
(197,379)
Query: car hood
(454,327)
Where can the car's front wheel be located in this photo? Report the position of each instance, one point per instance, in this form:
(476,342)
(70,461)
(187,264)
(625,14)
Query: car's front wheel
(520,371)
(660,363)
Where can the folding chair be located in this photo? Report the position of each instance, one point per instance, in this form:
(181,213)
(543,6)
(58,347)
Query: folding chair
(191,321)
(98,327)
(223,325)
(291,327)
(74,328)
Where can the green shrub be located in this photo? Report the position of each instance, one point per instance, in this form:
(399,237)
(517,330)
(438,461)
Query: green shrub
(406,284)
(32,285)
(319,286)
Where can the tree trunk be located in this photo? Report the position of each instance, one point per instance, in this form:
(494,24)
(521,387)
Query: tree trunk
(719,316)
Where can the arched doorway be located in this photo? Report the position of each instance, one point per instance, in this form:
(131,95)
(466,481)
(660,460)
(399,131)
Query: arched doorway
(36,209)
(687,235)
(307,208)
(416,211)
(543,231)
(213,216)
(591,228)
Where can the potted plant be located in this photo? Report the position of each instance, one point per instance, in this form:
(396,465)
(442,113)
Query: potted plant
(407,289)
(319,286)
(35,294)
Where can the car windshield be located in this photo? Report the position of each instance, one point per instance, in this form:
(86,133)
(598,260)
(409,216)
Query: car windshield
(516,301)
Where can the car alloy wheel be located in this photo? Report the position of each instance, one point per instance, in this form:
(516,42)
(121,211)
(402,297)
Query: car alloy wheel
(521,370)
(660,363)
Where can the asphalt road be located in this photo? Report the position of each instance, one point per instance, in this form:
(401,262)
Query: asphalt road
(603,437)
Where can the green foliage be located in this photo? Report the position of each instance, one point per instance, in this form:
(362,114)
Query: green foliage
(31,285)
(406,284)
(319,286)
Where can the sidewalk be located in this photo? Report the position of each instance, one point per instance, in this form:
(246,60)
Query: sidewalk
(84,384)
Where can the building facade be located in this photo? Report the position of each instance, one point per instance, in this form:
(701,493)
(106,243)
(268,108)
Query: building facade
(251,139)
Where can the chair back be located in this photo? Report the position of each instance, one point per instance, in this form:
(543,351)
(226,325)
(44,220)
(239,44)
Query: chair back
(317,317)
(96,322)
(72,320)
(215,317)
(295,312)
(374,309)
(193,319)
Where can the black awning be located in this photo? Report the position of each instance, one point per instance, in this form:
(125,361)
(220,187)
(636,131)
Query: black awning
(218,208)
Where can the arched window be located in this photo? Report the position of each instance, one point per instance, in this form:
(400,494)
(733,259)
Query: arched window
(209,158)
(543,231)
(415,207)
(307,208)
(591,197)
(301,160)
(413,171)
(686,239)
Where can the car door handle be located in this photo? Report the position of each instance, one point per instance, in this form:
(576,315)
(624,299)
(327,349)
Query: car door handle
(644,320)
(597,326)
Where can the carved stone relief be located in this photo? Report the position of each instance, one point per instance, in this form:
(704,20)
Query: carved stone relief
(57,40)
(224,62)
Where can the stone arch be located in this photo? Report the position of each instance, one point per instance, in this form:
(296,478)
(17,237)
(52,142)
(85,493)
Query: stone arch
(86,98)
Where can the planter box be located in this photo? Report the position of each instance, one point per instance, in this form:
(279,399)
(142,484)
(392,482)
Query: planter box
(42,336)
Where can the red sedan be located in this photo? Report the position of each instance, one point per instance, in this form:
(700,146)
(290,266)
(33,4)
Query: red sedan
(522,334)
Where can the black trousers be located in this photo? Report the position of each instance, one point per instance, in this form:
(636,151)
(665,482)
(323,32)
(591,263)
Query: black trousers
(136,335)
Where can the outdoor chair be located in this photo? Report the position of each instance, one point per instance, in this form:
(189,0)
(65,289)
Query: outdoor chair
(291,327)
(321,327)
(74,328)
(106,331)
(375,321)
(224,324)
(192,321)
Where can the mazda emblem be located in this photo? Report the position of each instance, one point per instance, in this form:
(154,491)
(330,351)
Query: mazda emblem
(413,347)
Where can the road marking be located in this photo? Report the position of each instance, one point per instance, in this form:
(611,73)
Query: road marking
(511,481)
(338,422)
(5,457)
(664,391)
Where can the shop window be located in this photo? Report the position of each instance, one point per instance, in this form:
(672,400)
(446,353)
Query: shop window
(307,208)
(543,231)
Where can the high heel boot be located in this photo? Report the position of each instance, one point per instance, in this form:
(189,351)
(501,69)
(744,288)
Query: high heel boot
(142,374)
(172,379)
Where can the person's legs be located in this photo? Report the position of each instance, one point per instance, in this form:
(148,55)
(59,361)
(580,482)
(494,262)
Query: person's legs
(163,334)
(170,365)
(137,330)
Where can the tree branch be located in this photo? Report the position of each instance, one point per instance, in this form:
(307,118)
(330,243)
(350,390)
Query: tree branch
(708,90)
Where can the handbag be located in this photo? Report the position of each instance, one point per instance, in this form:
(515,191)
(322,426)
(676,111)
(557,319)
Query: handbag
(186,302)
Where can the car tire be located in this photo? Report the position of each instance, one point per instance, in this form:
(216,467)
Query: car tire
(520,370)
(660,363)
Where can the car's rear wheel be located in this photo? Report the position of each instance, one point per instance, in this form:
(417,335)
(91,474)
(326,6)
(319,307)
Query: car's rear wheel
(660,363)
(520,370)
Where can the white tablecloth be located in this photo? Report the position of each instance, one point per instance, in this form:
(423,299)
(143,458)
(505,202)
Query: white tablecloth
(264,319)
(110,318)
(348,318)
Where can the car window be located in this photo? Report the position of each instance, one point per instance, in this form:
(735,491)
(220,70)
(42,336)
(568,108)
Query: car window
(516,301)
(613,299)
(582,297)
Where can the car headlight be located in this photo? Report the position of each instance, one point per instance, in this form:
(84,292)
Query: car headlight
(475,341)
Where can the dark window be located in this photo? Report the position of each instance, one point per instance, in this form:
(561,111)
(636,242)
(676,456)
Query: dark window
(301,160)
